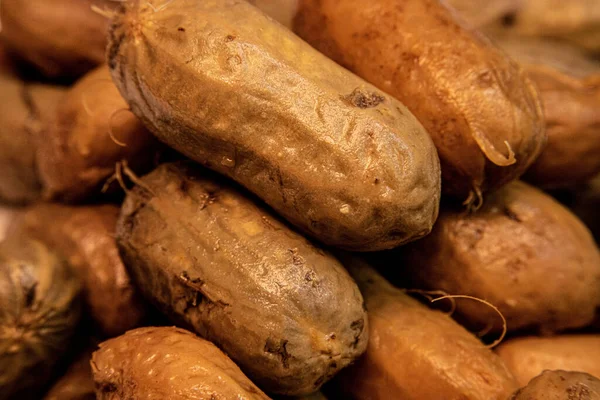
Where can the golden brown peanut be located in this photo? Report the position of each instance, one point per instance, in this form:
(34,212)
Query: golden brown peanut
(576,21)
(25,112)
(63,38)
(284,310)
(336,157)
(416,353)
(569,86)
(91,132)
(39,310)
(560,385)
(77,383)
(483,114)
(527,357)
(86,237)
(167,363)
(522,251)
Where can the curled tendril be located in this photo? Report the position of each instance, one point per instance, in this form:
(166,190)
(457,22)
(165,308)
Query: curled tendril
(462,296)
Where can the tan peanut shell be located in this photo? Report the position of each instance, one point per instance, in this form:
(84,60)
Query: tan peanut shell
(85,236)
(167,363)
(39,310)
(218,262)
(62,38)
(482,112)
(569,85)
(560,385)
(333,155)
(91,132)
(417,353)
(527,357)
(522,251)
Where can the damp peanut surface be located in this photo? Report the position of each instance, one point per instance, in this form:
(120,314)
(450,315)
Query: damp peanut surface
(343,161)
(218,262)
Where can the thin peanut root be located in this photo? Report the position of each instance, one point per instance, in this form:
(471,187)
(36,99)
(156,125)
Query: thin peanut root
(428,294)
(485,330)
(108,14)
(121,167)
(490,151)
(475,200)
(84,102)
(135,179)
(110,128)
(116,176)
(461,296)
(159,8)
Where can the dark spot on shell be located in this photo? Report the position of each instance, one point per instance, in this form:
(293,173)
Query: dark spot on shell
(376,181)
(186,277)
(30,295)
(229,38)
(363,100)
(509,19)
(511,214)
(279,349)
(320,381)
(180,29)
(332,336)
(296,258)
(357,326)
(183,185)
(107,387)
(396,233)
(409,57)
(485,79)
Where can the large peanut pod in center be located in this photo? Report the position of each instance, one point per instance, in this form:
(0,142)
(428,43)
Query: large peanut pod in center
(416,353)
(234,90)
(287,312)
(481,111)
